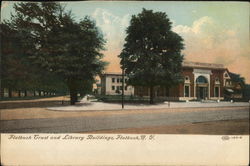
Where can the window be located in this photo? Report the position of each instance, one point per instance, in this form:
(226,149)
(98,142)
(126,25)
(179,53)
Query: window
(113,80)
(201,80)
(216,91)
(118,88)
(186,91)
(126,87)
(187,79)
(118,80)
(113,87)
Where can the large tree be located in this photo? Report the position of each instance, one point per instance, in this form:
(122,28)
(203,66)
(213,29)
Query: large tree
(152,51)
(62,45)
(17,70)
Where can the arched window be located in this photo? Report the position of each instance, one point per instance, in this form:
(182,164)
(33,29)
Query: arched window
(201,80)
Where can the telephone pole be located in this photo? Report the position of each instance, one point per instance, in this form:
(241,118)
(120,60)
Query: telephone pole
(122,81)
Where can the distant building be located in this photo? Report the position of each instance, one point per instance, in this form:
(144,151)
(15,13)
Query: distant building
(202,81)
(111,84)
(234,86)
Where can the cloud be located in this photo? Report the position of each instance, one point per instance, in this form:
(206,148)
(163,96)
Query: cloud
(209,41)
(206,40)
(113,28)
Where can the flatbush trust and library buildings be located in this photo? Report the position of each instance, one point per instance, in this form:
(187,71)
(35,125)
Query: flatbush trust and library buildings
(202,81)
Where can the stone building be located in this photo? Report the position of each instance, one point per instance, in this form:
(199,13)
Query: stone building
(111,84)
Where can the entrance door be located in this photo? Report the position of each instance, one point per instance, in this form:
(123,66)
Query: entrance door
(202,93)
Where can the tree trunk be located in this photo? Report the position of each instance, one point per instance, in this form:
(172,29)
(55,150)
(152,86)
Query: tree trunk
(73,96)
(19,93)
(39,93)
(151,95)
(10,92)
(34,93)
(25,93)
(2,92)
(72,91)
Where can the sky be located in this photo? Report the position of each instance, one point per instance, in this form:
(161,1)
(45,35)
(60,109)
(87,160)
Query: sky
(213,32)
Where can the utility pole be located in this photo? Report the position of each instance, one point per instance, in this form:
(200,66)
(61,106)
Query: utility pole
(122,81)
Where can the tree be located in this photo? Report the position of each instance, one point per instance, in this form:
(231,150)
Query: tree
(63,46)
(17,70)
(152,51)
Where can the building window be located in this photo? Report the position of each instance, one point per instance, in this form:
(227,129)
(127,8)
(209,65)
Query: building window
(187,80)
(118,80)
(201,80)
(125,87)
(216,91)
(186,91)
(113,80)
(113,87)
(120,87)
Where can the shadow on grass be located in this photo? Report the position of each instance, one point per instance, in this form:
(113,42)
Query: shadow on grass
(33,104)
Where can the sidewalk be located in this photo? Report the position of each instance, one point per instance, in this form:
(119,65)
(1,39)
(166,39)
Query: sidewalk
(88,105)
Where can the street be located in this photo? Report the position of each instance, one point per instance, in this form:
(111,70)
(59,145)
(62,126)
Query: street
(120,121)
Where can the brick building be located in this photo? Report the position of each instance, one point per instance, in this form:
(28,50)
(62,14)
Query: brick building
(202,81)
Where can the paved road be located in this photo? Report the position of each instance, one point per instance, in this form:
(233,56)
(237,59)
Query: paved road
(83,124)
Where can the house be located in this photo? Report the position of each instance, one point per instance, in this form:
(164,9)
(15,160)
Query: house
(234,85)
(201,81)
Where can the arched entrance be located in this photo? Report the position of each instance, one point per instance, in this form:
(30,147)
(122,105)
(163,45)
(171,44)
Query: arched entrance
(201,88)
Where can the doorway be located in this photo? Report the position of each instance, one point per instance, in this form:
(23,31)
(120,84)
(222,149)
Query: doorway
(202,88)
(202,93)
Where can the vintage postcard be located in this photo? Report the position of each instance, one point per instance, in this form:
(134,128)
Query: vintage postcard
(124,83)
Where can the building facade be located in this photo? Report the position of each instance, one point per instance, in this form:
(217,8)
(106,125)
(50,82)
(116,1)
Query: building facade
(111,84)
(202,81)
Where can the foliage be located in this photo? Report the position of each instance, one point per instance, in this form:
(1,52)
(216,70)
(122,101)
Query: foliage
(60,45)
(17,70)
(152,51)
(237,78)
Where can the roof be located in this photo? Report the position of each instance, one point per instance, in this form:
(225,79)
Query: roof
(184,64)
(202,65)
(112,73)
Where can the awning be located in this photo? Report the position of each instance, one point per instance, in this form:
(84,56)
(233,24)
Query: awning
(230,90)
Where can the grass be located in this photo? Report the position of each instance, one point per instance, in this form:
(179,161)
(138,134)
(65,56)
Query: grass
(25,98)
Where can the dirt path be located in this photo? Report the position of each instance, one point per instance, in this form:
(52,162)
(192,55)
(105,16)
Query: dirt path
(35,113)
